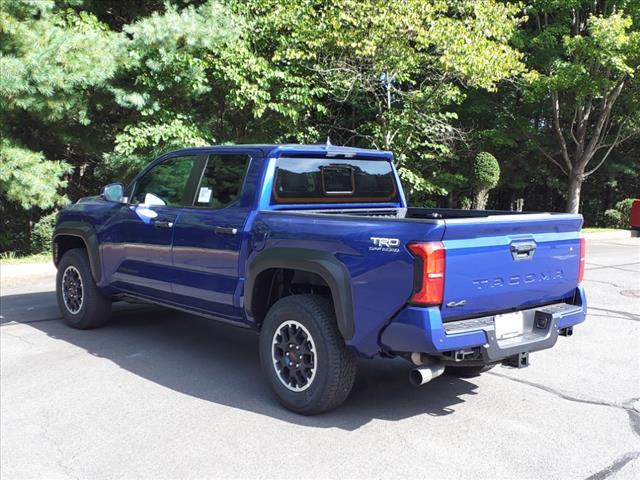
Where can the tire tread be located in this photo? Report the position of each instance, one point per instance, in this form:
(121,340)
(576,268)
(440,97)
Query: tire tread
(341,360)
(96,306)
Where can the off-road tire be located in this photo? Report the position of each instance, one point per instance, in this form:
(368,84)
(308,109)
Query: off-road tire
(95,307)
(335,364)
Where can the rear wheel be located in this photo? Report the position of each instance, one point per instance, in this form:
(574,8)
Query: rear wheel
(303,355)
(82,305)
(467,371)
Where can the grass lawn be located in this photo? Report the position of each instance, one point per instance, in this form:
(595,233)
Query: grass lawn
(35,258)
(598,229)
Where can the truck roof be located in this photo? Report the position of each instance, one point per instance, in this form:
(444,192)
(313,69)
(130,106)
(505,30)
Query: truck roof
(280,150)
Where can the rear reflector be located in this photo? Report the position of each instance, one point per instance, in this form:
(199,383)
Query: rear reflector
(428,282)
(582,257)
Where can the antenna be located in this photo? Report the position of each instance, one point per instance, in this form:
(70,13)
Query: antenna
(326,143)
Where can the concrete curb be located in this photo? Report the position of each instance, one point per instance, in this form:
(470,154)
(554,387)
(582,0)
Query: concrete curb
(27,269)
(615,234)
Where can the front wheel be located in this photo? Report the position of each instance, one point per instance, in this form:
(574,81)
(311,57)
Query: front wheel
(303,355)
(82,305)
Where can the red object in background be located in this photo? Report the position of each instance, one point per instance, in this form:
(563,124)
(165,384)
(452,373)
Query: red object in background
(634,218)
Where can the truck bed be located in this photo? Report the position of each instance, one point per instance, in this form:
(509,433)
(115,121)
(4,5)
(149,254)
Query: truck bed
(496,261)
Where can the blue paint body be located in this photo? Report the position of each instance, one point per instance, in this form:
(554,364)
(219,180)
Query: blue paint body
(190,267)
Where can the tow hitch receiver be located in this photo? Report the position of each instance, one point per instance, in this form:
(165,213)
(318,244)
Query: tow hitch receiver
(566,332)
(520,360)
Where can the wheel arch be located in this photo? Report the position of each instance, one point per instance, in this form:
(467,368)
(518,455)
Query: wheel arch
(323,265)
(77,234)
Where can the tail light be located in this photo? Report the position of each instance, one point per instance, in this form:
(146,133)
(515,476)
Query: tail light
(581,265)
(428,280)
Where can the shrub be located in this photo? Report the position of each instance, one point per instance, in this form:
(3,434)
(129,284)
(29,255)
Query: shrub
(486,171)
(612,218)
(624,207)
(618,217)
(485,176)
(14,242)
(42,232)
(466,203)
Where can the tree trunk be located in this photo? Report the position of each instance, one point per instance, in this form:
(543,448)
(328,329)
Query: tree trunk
(519,204)
(451,203)
(573,198)
(481,199)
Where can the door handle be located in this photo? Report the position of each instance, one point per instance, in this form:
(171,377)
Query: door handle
(225,230)
(163,224)
(523,251)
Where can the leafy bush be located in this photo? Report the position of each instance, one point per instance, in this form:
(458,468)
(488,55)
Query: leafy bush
(624,207)
(618,217)
(42,233)
(485,176)
(466,203)
(612,218)
(14,242)
(486,171)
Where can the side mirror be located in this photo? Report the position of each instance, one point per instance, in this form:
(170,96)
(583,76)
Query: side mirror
(114,192)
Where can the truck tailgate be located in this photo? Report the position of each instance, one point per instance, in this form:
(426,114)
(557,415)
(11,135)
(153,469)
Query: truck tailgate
(509,262)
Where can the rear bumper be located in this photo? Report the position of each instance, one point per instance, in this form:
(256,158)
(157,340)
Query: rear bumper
(417,329)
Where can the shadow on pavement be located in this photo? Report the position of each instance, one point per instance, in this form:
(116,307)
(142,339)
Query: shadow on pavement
(219,363)
(27,308)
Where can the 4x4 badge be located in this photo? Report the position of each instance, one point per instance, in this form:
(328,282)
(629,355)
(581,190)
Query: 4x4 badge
(461,303)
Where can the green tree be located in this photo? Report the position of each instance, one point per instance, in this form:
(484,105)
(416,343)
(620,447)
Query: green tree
(193,77)
(584,58)
(48,82)
(28,179)
(386,73)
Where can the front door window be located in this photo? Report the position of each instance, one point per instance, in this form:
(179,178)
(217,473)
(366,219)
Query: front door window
(166,183)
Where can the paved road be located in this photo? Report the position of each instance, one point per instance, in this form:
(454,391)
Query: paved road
(157,394)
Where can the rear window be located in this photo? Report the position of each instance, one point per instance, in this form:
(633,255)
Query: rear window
(302,180)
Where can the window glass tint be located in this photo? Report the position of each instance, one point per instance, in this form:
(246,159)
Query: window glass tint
(338,179)
(221,181)
(166,183)
(301,180)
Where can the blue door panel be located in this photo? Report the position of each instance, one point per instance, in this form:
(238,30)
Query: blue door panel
(137,252)
(205,261)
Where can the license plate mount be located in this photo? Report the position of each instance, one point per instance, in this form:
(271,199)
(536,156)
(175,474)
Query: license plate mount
(509,325)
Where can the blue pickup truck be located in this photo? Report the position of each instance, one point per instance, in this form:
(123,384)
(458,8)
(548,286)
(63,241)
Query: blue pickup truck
(315,248)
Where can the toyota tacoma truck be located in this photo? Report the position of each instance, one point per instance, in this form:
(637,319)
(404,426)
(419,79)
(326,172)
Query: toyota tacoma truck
(315,248)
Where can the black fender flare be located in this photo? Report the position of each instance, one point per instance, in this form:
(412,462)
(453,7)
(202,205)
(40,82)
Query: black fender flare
(324,264)
(87,233)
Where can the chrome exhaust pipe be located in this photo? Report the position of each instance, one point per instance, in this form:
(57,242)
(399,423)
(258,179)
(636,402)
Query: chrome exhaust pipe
(425,373)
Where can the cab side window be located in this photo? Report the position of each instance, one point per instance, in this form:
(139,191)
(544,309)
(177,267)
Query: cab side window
(166,183)
(221,182)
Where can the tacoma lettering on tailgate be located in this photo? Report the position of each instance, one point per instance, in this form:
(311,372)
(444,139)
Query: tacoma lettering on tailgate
(514,280)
